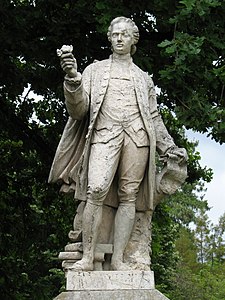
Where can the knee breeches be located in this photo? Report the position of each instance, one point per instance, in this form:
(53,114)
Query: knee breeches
(121,156)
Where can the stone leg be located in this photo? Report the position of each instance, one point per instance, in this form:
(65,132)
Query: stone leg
(124,222)
(92,217)
(75,235)
(138,250)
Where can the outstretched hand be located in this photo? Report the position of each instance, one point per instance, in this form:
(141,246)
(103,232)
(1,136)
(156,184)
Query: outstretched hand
(67,61)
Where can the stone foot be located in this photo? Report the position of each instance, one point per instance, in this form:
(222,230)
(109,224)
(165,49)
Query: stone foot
(82,265)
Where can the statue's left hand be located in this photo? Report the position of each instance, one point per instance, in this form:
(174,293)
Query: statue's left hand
(181,153)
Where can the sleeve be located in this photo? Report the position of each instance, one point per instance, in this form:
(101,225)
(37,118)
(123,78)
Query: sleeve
(77,94)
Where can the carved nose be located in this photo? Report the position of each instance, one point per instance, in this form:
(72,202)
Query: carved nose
(119,38)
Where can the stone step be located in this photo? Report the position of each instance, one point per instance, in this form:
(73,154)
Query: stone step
(106,248)
(112,295)
(78,255)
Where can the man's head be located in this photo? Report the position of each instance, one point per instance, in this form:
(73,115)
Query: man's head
(123,34)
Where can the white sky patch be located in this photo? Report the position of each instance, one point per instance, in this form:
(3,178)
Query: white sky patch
(29,94)
(212,156)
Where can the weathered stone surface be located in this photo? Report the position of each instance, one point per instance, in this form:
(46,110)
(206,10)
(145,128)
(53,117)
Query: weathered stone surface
(118,137)
(74,247)
(78,255)
(67,264)
(70,255)
(113,285)
(105,248)
(138,250)
(111,280)
(112,295)
(107,157)
(73,253)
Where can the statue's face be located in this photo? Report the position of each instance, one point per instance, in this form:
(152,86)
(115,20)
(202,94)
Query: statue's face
(122,38)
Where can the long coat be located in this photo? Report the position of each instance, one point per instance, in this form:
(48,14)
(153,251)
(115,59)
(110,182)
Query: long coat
(83,104)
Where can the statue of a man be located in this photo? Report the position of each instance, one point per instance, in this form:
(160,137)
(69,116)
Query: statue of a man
(111,138)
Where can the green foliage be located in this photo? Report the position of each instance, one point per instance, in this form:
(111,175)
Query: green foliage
(195,171)
(187,249)
(185,52)
(181,43)
(205,285)
(195,56)
(32,224)
(210,239)
(170,221)
(164,234)
(200,271)
(185,204)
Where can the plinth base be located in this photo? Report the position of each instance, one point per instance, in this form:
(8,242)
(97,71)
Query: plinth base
(113,285)
(109,280)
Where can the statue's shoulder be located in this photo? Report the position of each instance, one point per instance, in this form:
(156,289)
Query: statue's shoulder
(100,63)
(142,73)
(95,70)
(96,67)
(139,70)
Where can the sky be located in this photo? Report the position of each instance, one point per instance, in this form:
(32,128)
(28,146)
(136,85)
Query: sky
(212,156)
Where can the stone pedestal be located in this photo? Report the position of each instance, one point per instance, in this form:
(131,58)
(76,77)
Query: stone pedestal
(113,285)
(112,295)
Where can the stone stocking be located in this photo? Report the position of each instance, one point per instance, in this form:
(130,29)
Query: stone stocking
(124,222)
(92,218)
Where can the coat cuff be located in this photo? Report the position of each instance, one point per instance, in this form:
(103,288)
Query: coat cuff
(73,82)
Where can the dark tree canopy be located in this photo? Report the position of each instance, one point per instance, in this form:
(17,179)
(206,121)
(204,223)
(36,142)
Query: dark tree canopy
(181,44)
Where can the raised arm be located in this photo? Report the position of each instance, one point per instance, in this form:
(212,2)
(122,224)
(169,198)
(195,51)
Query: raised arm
(76,97)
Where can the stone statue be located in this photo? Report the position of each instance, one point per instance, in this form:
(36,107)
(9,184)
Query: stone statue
(107,153)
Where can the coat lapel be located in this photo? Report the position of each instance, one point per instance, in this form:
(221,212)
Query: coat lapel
(101,82)
(141,90)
